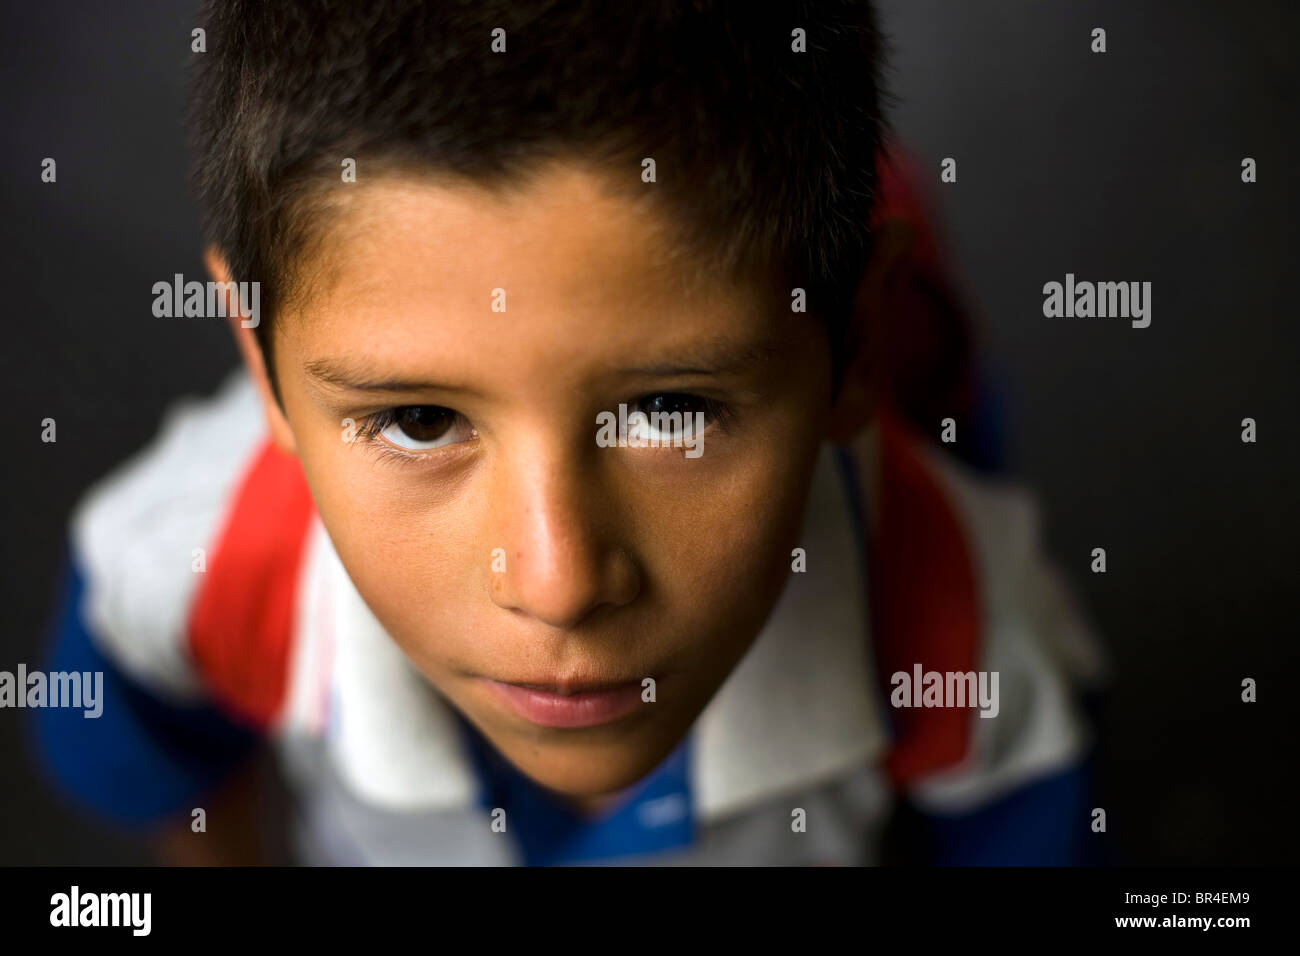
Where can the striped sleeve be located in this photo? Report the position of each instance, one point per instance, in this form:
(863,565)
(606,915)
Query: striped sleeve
(1022,793)
(136,561)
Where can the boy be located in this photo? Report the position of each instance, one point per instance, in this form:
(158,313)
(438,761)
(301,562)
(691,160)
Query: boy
(565,512)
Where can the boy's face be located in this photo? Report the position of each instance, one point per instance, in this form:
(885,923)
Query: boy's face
(487,529)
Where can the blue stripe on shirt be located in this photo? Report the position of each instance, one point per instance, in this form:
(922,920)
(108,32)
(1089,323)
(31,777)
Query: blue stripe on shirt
(142,759)
(1044,823)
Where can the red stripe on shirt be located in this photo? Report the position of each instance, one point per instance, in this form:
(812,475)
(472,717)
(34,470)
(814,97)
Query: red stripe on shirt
(241,624)
(924,600)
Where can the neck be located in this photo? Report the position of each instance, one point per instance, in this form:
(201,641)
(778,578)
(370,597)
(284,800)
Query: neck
(592,806)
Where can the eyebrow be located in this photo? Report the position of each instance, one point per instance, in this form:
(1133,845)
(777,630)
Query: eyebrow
(716,359)
(347,374)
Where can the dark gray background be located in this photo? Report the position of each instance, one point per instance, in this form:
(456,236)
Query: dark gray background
(1123,166)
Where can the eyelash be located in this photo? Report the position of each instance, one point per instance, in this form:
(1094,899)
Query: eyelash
(370,428)
(715,412)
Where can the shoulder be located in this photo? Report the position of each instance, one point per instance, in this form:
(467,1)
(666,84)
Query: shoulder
(140,535)
(962,582)
(1035,636)
(1022,586)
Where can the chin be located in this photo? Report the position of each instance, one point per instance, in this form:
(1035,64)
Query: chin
(587,771)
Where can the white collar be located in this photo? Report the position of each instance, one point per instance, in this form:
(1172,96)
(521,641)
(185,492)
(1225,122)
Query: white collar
(800,708)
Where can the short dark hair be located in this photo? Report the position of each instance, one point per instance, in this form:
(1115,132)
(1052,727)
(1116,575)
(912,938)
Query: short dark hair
(765,156)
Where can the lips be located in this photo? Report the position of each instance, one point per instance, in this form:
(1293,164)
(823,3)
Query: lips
(569,705)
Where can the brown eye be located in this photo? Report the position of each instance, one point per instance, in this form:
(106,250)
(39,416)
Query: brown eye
(671,416)
(423,423)
(420,427)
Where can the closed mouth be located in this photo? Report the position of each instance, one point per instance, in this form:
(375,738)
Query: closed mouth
(569,704)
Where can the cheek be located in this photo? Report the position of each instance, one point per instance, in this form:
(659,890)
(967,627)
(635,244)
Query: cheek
(725,557)
(407,555)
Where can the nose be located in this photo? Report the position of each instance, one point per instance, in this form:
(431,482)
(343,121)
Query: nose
(557,525)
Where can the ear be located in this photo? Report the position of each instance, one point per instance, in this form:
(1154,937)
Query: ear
(251,353)
(867,339)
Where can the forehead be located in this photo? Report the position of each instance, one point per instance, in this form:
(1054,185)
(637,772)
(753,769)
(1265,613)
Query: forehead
(563,251)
